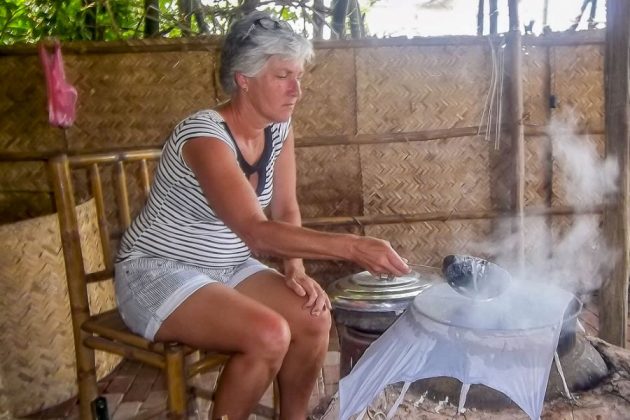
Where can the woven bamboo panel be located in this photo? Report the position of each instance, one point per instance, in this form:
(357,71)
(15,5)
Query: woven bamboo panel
(325,271)
(537,161)
(416,177)
(571,183)
(581,258)
(578,83)
(413,88)
(136,99)
(429,242)
(535,74)
(329,181)
(37,355)
(328,103)
(24,176)
(16,206)
(23,114)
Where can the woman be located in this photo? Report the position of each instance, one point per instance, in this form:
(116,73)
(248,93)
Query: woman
(185,271)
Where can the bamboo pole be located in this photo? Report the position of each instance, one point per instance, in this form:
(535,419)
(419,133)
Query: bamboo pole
(423,135)
(122,194)
(614,292)
(339,15)
(515,91)
(73,257)
(206,363)
(443,216)
(145,178)
(103,228)
(151,18)
(547,170)
(335,140)
(318,19)
(480,17)
(175,381)
(104,344)
(212,44)
(494,14)
(356,20)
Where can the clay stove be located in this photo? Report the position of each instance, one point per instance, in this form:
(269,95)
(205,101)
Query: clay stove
(375,306)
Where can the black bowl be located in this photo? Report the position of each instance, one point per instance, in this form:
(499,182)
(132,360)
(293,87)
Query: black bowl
(475,277)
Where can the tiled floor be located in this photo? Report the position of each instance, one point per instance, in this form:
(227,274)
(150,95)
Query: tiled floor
(137,391)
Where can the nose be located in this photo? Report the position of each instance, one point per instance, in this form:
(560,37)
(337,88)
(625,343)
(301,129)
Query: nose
(295,88)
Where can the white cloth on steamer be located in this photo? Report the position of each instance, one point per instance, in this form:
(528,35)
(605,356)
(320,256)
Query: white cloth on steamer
(515,361)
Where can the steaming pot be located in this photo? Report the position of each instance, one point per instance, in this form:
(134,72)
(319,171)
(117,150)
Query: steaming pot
(364,306)
(371,303)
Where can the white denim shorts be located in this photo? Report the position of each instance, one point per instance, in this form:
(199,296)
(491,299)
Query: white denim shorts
(148,290)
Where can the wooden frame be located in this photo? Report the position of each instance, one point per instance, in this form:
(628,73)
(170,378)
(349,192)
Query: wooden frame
(106,331)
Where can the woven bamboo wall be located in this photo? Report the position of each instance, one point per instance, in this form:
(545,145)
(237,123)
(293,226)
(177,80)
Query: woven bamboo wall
(37,361)
(365,129)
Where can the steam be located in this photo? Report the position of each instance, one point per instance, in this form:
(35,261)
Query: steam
(590,180)
(572,253)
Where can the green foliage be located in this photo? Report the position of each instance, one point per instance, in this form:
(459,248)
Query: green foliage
(28,21)
(32,20)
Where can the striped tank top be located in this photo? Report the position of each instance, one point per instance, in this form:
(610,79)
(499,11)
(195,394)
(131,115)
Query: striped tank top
(177,223)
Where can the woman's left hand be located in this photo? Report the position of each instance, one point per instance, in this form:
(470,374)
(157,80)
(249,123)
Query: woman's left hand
(297,280)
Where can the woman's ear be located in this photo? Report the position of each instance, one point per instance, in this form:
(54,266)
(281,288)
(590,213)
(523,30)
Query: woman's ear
(241,81)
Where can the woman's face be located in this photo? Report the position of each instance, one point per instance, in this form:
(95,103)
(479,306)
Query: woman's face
(275,90)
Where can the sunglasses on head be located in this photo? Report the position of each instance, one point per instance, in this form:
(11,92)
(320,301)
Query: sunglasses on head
(268,24)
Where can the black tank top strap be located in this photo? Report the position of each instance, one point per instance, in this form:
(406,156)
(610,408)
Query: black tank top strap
(259,167)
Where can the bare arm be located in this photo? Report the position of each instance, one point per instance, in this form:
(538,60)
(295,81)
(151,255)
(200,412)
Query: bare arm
(285,208)
(234,201)
(284,204)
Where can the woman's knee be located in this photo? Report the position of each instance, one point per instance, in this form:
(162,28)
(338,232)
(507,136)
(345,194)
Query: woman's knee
(271,337)
(314,327)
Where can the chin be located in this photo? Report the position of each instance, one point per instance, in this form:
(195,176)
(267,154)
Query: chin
(282,117)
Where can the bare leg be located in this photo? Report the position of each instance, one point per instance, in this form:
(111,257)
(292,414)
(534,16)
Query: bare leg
(309,340)
(228,321)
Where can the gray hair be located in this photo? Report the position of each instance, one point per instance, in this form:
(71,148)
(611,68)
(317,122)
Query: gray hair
(249,45)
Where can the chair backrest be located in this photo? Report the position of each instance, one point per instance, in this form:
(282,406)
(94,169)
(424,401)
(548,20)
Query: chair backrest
(119,182)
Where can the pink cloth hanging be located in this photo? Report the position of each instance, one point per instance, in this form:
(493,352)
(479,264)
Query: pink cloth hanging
(62,96)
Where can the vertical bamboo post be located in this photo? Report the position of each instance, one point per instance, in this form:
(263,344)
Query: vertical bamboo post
(122,195)
(339,14)
(318,19)
(614,292)
(547,171)
(515,92)
(151,18)
(97,192)
(494,15)
(175,381)
(145,178)
(59,170)
(480,17)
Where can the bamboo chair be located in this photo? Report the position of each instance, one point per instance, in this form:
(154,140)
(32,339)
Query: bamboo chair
(106,331)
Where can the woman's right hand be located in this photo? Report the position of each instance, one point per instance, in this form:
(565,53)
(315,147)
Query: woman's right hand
(377,256)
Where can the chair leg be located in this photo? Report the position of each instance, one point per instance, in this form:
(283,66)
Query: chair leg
(86,379)
(176,381)
(276,399)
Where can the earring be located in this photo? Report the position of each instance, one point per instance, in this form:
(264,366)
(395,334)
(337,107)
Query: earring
(245,89)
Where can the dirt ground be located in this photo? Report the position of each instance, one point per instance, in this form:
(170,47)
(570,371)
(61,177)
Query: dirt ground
(610,400)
